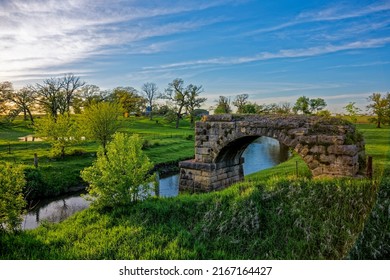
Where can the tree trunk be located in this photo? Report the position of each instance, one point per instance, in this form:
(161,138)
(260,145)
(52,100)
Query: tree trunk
(31,116)
(177,120)
(378,123)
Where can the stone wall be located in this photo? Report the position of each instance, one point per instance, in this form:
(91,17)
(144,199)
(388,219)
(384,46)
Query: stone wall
(329,146)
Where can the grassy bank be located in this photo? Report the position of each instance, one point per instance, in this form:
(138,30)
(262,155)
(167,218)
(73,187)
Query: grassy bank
(272,215)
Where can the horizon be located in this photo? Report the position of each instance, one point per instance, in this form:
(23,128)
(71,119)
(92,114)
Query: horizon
(274,52)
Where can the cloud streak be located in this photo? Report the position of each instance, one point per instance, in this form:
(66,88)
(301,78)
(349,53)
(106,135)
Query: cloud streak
(38,35)
(334,13)
(286,53)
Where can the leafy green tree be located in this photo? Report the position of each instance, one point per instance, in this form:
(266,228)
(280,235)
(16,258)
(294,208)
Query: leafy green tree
(223,106)
(176,93)
(380,107)
(129,99)
(352,111)
(249,108)
(99,121)
(308,106)
(317,105)
(122,175)
(302,105)
(61,132)
(12,203)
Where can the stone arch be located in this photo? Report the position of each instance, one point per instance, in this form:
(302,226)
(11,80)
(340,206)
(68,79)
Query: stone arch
(329,146)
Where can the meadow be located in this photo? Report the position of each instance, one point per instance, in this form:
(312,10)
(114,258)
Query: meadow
(274,214)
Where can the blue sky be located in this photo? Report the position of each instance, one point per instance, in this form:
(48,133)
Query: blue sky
(275,51)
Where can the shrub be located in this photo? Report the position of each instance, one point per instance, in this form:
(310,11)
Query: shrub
(12,202)
(122,175)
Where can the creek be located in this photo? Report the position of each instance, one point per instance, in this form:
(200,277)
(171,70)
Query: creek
(261,154)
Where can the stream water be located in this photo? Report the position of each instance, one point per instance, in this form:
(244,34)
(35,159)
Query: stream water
(261,154)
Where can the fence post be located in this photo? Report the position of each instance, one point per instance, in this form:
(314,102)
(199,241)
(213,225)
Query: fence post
(35,160)
(369,167)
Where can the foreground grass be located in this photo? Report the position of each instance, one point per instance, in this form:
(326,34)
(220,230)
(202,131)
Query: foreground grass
(272,215)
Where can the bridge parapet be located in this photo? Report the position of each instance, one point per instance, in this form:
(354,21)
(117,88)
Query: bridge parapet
(329,146)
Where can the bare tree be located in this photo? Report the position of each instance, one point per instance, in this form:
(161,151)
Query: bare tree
(150,92)
(55,95)
(49,96)
(70,83)
(23,101)
(240,101)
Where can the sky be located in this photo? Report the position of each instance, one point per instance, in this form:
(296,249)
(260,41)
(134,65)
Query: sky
(274,51)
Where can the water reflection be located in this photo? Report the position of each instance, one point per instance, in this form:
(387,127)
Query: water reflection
(54,210)
(263,153)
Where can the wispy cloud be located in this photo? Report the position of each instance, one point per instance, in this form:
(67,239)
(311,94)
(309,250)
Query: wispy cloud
(42,34)
(286,53)
(374,63)
(333,13)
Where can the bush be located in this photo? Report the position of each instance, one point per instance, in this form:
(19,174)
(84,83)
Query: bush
(122,175)
(12,202)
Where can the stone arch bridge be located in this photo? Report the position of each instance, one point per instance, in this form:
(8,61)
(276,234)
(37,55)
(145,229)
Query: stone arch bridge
(329,146)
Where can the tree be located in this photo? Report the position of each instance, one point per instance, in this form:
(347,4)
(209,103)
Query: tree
(12,203)
(99,121)
(121,175)
(49,96)
(194,101)
(70,84)
(352,111)
(150,92)
(308,106)
(317,105)
(61,132)
(23,101)
(55,96)
(176,93)
(302,105)
(129,99)
(380,107)
(249,108)
(223,106)
(240,101)
(5,89)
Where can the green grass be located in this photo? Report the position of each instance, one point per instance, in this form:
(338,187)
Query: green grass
(271,215)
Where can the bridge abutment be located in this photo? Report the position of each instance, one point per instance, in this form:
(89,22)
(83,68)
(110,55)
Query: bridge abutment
(206,177)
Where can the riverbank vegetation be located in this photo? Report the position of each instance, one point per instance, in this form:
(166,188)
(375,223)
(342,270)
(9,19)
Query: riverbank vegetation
(277,213)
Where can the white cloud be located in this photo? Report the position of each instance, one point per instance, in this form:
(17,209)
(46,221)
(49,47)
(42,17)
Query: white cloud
(40,34)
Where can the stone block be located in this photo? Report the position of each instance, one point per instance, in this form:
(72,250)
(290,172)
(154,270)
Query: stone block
(318,150)
(349,150)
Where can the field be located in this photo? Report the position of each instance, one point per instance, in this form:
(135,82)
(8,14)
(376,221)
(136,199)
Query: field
(163,144)
(273,214)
